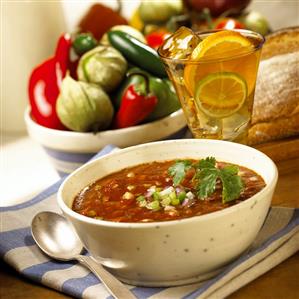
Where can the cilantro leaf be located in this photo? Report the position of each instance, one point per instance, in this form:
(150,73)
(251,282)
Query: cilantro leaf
(178,170)
(206,175)
(232,183)
(230,169)
(208,162)
(207,185)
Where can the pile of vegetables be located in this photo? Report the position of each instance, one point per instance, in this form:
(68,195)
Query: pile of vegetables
(108,75)
(89,85)
(158,18)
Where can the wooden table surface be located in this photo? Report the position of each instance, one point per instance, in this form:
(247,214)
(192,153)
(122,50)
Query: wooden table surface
(282,282)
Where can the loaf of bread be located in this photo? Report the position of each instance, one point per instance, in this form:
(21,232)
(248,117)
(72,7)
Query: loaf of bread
(276,104)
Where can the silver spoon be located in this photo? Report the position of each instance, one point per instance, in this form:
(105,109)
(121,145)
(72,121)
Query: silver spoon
(57,238)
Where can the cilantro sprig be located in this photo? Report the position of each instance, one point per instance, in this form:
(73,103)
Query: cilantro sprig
(206,176)
(178,170)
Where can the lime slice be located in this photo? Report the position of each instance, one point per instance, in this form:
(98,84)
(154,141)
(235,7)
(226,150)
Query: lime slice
(221,94)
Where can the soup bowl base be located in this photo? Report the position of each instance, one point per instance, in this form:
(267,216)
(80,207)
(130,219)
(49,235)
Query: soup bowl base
(172,283)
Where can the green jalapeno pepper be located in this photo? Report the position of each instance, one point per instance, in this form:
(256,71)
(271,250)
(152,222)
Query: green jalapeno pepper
(138,53)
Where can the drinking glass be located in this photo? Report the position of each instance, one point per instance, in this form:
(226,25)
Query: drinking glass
(216,91)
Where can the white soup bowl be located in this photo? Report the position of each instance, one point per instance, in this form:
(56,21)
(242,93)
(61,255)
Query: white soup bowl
(171,252)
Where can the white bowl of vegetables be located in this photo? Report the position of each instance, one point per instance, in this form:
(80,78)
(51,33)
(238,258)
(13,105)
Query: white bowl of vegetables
(68,150)
(111,92)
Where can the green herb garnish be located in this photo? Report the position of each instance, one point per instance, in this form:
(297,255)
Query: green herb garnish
(232,183)
(178,171)
(206,176)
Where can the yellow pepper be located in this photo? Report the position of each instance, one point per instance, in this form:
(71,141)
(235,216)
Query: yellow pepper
(136,21)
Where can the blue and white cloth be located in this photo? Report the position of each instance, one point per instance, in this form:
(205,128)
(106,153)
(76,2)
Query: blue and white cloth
(18,249)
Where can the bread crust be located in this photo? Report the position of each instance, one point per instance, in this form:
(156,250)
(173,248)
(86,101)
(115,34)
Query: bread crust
(267,131)
(280,42)
(276,104)
(277,88)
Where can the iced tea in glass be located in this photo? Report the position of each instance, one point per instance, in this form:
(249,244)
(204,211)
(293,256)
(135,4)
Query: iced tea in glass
(214,74)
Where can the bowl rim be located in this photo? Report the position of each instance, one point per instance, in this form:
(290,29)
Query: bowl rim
(137,225)
(31,123)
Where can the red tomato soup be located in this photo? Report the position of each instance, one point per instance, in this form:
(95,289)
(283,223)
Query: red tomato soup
(168,190)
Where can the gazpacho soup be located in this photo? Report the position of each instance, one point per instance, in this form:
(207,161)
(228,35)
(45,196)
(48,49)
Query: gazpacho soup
(167,190)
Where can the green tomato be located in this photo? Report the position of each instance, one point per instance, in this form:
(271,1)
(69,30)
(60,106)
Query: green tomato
(159,11)
(83,107)
(256,22)
(84,42)
(104,66)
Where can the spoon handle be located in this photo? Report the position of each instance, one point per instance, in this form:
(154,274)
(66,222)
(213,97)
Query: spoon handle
(116,288)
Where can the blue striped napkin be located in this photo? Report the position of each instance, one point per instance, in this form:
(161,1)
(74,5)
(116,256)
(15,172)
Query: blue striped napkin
(17,247)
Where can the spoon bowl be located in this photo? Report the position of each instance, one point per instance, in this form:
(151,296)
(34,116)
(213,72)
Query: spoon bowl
(56,237)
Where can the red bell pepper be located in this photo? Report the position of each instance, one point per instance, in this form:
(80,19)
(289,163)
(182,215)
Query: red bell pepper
(136,105)
(229,23)
(44,85)
(156,38)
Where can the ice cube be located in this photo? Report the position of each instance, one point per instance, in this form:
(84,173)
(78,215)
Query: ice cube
(181,44)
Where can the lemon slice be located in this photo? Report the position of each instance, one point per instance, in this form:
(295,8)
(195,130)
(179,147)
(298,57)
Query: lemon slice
(221,94)
(215,53)
(221,45)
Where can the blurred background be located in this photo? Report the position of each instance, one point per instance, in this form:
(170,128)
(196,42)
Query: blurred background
(30,29)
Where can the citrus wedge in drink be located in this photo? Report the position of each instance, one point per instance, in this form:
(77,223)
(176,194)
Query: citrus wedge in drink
(221,45)
(220,94)
(220,51)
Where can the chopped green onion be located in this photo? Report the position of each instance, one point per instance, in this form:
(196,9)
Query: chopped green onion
(156,196)
(141,201)
(166,201)
(154,205)
(175,201)
(142,204)
(172,195)
(182,196)
(140,198)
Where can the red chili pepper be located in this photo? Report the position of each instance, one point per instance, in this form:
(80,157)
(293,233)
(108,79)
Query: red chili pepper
(62,56)
(44,85)
(229,23)
(135,106)
(156,38)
